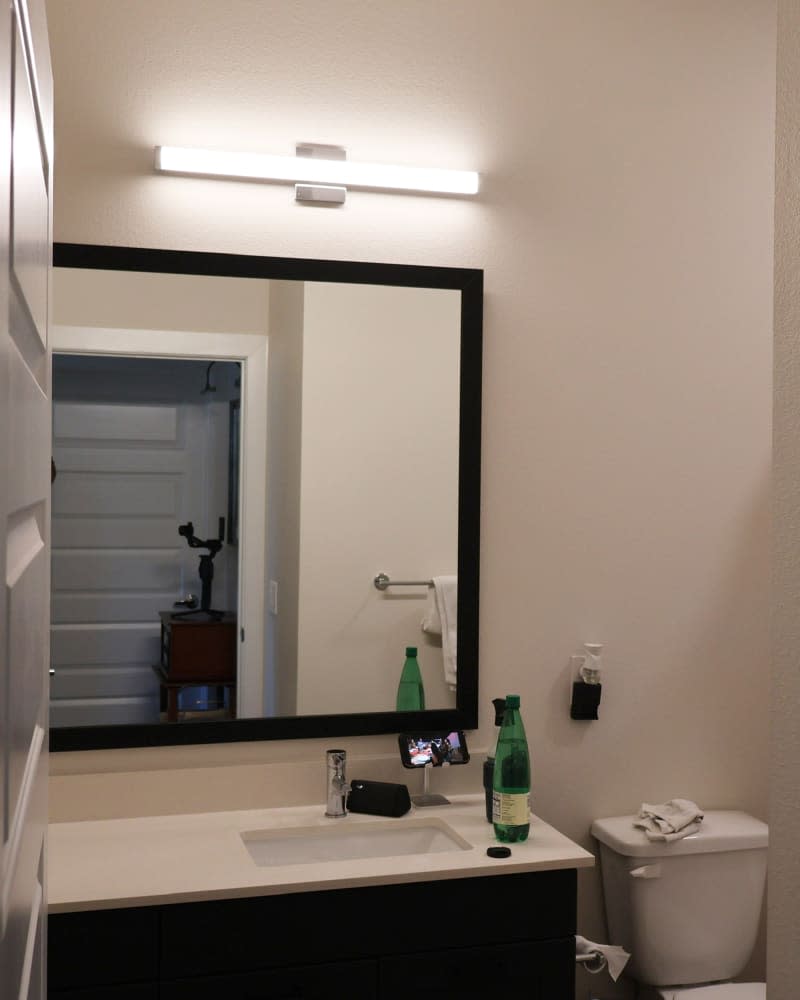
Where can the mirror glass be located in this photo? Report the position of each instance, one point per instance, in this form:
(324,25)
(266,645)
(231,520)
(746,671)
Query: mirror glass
(221,514)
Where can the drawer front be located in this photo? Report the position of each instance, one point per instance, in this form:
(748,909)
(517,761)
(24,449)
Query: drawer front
(102,948)
(543,970)
(202,649)
(354,980)
(273,931)
(141,991)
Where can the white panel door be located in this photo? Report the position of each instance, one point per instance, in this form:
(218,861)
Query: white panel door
(128,475)
(25,131)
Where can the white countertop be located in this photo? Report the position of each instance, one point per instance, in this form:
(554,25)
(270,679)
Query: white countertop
(104,864)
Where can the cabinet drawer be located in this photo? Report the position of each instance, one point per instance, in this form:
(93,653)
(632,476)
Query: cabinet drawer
(141,991)
(101,948)
(270,932)
(354,980)
(542,970)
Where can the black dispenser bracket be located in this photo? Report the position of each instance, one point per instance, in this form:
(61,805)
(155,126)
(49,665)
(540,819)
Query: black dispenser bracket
(586,687)
(585,700)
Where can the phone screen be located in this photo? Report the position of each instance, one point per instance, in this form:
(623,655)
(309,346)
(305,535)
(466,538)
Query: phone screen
(435,749)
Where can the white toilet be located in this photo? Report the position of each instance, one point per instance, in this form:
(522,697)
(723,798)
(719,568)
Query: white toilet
(687,911)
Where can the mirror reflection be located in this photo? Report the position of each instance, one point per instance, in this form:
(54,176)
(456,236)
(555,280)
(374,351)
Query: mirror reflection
(159,483)
(142,449)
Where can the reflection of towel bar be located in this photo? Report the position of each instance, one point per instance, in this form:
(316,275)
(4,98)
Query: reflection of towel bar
(382,581)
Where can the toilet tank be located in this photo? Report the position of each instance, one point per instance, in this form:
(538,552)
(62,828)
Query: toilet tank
(687,911)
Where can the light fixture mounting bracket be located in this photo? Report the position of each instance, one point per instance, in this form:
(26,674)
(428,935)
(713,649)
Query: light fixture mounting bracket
(320,194)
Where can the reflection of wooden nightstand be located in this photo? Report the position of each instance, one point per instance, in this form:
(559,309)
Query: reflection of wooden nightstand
(196,651)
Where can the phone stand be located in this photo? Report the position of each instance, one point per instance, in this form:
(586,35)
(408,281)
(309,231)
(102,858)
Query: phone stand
(428,798)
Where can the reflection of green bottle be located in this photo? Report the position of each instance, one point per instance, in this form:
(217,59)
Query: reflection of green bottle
(410,692)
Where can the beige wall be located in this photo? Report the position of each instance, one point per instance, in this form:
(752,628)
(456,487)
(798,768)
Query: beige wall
(784,880)
(284,433)
(142,301)
(380,476)
(625,229)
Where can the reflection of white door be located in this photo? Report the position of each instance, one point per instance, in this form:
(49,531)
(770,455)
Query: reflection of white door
(25,117)
(165,578)
(128,475)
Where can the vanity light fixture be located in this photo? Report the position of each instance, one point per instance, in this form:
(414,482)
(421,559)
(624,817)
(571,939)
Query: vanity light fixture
(320,173)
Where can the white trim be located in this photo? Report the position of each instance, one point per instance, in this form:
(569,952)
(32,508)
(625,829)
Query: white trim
(30,943)
(250,350)
(20,815)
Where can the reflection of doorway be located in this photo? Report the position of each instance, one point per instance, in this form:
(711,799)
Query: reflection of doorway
(141,446)
(178,574)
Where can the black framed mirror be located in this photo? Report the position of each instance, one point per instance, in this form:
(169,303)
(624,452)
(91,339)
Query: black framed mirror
(392,500)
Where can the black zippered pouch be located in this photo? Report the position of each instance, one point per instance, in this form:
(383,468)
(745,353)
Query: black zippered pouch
(379,798)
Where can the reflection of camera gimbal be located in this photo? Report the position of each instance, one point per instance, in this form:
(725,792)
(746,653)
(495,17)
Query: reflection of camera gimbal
(206,567)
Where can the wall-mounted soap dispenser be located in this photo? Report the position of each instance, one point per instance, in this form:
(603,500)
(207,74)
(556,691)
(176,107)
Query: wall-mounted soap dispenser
(587,686)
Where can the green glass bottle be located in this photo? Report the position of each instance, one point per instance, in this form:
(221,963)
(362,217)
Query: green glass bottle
(410,692)
(512,778)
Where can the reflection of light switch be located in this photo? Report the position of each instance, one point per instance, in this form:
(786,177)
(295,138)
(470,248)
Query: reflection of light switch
(273,597)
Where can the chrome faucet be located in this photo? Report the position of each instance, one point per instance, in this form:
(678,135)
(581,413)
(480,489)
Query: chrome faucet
(337,783)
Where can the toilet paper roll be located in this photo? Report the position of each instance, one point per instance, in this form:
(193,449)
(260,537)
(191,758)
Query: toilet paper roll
(595,957)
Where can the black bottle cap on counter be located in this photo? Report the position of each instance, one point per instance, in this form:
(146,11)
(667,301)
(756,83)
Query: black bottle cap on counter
(498,852)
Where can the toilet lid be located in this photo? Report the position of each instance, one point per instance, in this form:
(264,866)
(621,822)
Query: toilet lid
(724,991)
(721,830)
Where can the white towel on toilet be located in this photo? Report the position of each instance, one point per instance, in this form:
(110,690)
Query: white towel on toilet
(440,619)
(670,820)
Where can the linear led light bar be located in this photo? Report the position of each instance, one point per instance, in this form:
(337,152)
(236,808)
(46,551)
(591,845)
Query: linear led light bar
(303,169)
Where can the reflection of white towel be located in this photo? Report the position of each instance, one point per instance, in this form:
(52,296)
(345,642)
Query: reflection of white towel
(612,955)
(670,820)
(431,622)
(440,619)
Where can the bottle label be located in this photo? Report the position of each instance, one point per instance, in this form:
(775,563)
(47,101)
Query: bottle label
(511,810)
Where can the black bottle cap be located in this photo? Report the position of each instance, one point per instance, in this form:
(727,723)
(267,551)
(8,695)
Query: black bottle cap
(499,709)
(498,852)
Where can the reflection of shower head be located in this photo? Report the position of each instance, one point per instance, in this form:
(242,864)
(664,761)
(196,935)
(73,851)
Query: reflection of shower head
(208,386)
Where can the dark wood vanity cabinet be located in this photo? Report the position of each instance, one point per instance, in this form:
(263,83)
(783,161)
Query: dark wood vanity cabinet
(462,938)
(104,954)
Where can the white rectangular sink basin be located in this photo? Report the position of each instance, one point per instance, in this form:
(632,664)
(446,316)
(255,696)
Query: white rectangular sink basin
(344,842)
